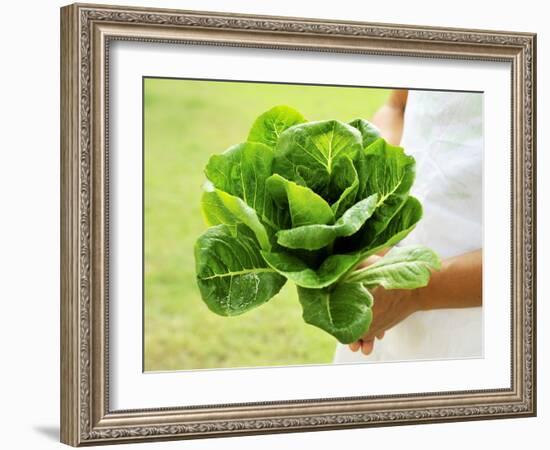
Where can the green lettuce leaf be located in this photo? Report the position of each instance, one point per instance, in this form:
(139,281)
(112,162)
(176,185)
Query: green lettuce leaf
(369,132)
(295,269)
(386,170)
(399,227)
(231,273)
(401,268)
(344,312)
(304,205)
(367,242)
(242,170)
(344,184)
(313,237)
(267,128)
(219,207)
(308,152)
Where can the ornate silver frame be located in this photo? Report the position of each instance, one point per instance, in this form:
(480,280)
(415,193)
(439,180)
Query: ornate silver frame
(86,31)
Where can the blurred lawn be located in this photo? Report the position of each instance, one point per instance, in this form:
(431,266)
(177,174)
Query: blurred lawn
(185,122)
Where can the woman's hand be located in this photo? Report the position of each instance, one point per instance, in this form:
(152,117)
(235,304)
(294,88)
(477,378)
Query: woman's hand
(457,285)
(390,308)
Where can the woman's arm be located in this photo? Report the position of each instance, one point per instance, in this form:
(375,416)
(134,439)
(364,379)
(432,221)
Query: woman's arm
(389,118)
(457,285)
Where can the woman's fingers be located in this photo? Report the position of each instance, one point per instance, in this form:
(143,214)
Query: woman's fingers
(367,347)
(354,346)
(366,344)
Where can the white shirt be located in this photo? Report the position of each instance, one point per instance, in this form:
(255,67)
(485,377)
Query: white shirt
(443,131)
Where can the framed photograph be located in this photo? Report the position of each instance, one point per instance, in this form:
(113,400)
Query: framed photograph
(278,224)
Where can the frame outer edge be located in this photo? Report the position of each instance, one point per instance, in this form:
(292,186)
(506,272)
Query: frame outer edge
(533,230)
(82,409)
(534,136)
(70,313)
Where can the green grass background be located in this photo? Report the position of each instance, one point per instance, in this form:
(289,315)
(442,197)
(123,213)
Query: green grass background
(186,121)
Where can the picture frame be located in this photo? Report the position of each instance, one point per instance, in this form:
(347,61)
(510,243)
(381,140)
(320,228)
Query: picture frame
(87,32)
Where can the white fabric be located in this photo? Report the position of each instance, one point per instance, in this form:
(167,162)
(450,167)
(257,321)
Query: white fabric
(443,131)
